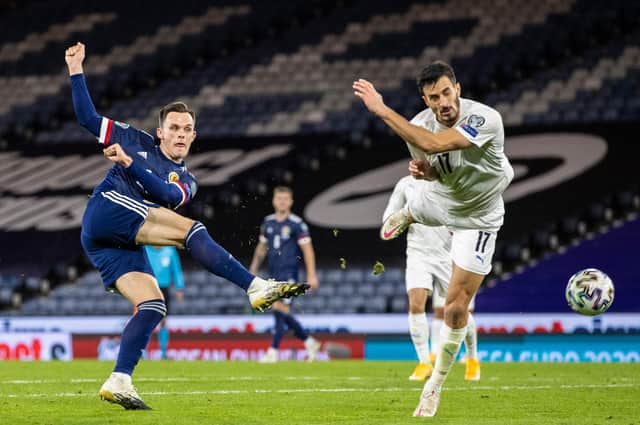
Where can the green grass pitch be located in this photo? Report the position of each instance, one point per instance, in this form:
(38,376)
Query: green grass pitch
(339,392)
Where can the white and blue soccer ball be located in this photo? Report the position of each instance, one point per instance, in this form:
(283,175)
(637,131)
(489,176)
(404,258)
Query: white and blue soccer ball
(590,292)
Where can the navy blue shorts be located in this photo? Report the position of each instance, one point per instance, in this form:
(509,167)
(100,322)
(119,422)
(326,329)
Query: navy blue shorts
(109,227)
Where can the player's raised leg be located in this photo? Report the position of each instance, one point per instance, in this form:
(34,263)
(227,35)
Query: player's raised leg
(463,286)
(143,292)
(396,224)
(165,227)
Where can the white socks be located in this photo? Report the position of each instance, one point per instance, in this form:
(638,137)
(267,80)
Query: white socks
(471,339)
(419,330)
(450,341)
(436,326)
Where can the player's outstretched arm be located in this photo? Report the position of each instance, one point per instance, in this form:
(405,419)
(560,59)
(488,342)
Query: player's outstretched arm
(82,104)
(74,57)
(417,136)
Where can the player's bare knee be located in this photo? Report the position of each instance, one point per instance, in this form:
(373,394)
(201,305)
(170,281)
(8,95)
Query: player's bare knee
(455,313)
(186,224)
(417,300)
(416,307)
(185,227)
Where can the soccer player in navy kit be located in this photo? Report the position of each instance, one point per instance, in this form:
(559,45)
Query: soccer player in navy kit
(285,240)
(131,207)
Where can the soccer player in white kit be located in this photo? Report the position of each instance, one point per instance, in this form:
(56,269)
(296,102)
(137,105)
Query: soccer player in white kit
(427,273)
(459,144)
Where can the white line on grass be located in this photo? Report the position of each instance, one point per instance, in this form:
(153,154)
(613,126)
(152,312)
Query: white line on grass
(337,390)
(90,380)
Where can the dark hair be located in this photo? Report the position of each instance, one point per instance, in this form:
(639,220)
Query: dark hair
(430,74)
(283,189)
(175,107)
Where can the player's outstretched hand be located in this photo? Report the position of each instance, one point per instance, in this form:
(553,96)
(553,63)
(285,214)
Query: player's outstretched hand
(74,56)
(369,95)
(417,168)
(115,153)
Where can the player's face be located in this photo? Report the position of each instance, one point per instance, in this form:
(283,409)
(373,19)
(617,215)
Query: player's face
(176,135)
(282,202)
(443,98)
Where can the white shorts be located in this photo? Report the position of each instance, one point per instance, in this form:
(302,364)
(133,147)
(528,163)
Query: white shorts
(474,239)
(472,250)
(438,299)
(427,275)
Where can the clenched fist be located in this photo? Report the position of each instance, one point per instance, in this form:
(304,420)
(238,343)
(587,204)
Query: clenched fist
(115,153)
(74,56)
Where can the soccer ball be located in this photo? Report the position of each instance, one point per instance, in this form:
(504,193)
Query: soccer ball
(590,292)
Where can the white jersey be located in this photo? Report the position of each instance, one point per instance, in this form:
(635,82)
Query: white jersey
(431,243)
(471,180)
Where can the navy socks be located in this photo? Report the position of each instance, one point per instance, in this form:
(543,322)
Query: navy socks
(215,258)
(279,330)
(295,326)
(283,323)
(137,333)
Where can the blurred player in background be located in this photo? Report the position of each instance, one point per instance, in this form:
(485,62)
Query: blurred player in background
(166,266)
(459,144)
(428,273)
(132,207)
(284,240)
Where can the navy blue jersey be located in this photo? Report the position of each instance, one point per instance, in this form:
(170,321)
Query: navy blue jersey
(120,205)
(141,147)
(283,239)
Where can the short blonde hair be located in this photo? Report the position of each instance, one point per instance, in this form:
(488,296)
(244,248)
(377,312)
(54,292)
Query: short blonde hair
(282,189)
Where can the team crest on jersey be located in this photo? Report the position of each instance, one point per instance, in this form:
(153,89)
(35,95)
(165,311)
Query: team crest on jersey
(173,176)
(475,121)
(123,125)
(286,231)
